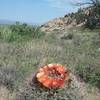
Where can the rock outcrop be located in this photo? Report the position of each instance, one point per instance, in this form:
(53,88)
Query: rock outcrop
(58,25)
(86,16)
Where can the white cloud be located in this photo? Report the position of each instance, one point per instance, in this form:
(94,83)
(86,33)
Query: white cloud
(62,3)
(57,3)
(76,1)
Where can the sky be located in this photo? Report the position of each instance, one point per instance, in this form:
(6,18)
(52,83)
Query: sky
(35,11)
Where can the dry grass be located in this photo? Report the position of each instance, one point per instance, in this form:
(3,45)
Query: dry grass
(80,54)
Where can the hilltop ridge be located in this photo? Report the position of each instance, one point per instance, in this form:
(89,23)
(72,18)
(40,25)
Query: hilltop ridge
(87,17)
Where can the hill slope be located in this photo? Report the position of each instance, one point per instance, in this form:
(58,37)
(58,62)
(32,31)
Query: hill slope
(88,17)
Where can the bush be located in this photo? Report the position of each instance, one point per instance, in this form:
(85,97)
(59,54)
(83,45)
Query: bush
(22,29)
(37,33)
(5,33)
(91,23)
(9,36)
(88,74)
(20,32)
(27,30)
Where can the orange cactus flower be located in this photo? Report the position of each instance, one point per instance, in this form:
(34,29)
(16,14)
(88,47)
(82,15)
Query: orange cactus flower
(52,75)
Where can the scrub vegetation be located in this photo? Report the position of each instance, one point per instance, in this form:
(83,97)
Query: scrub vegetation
(24,48)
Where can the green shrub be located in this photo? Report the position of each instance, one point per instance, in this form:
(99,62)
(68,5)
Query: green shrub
(20,32)
(91,23)
(37,33)
(22,29)
(5,33)
(88,74)
(27,30)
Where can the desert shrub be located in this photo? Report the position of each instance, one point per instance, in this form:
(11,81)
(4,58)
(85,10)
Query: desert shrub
(9,36)
(88,74)
(37,33)
(80,17)
(67,37)
(5,33)
(20,32)
(22,29)
(91,23)
(27,30)
(87,54)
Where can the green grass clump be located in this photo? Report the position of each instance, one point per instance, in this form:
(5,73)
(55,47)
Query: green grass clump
(20,32)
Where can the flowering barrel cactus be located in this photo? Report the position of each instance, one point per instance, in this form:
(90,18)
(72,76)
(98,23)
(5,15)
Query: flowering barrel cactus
(52,76)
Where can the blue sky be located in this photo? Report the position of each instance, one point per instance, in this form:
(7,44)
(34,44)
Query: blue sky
(35,11)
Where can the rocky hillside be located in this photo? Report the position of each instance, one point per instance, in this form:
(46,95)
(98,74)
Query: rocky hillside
(58,25)
(89,17)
